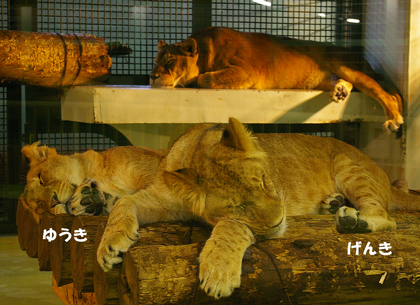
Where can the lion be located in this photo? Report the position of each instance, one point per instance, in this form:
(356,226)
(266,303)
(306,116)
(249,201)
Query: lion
(245,185)
(223,58)
(86,183)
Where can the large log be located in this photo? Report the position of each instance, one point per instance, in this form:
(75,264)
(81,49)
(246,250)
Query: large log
(82,254)
(310,265)
(60,250)
(113,287)
(51,59)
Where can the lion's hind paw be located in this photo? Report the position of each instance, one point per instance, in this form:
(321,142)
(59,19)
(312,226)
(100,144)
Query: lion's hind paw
(332,203)
(341,91)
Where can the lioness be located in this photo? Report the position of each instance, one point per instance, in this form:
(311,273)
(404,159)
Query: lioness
(245,185)
(86,183)
(225,58)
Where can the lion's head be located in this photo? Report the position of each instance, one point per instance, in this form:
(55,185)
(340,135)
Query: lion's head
(227,177)
(50,181)
(175,65)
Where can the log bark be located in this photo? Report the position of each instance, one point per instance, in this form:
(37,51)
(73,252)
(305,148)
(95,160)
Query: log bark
(44,260)
(27,221)
(51,59)
(310,265)
(60,250)
(82,254)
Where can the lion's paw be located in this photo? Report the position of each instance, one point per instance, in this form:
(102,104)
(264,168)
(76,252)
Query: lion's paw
(115,242)
(88,199)
(331,204)
(349,220)
(219,274)
(391,126)
(341,91)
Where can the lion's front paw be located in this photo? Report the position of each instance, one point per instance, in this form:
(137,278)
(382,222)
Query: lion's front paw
(220,273)
(341,91)
(331,204)
(349,220)
(88,199)
(116,241)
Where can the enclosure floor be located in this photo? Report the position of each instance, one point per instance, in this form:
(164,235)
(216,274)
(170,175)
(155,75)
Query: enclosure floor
(21,282)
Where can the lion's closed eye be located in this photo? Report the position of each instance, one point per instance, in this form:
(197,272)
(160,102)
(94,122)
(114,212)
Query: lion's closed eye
(41,179)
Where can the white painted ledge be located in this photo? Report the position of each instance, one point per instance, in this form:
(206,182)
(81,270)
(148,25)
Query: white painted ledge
(142,104)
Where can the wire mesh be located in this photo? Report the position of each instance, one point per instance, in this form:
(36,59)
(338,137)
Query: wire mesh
(136,24)
(299,19)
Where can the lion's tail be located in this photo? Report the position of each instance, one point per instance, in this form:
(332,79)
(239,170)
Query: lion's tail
(405,201)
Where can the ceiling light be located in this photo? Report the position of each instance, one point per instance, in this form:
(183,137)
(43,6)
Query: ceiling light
(263,2)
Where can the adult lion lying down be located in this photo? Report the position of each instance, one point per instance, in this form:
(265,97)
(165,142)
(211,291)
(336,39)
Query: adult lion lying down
(245,185)
(86,183)
(225,58)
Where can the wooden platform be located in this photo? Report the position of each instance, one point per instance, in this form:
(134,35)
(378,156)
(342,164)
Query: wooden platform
(143,104)
(154,117)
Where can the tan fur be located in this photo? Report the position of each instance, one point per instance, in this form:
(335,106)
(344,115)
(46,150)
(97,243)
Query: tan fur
(54,180)
(244,185)
(225,58)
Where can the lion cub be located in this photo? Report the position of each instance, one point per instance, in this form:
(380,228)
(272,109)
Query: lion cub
(87,183)
(245,185)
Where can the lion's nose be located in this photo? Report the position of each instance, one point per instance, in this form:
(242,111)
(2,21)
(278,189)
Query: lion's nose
(154,77)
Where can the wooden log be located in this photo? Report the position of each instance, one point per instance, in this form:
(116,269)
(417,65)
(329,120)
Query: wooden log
(310,265)
(44,260)
(27,221)
(105,284)
(19,223)
(51,59)
(69,296)
(166,234)
(60,250)
(82,254)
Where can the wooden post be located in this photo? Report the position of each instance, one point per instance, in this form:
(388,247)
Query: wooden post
(51,59)
(69,296)
(43,244)
(27,224)
(60,250)
(105,284)
(19,223)
(82,254)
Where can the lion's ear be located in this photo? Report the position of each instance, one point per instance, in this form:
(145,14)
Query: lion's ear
(161,44)
(237,136)
(189,47)
(184,184)
(37,154)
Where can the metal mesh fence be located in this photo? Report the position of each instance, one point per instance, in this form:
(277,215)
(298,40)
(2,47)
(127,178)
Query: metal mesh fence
(141,24)
(299,19)
(136,24)
(4,215)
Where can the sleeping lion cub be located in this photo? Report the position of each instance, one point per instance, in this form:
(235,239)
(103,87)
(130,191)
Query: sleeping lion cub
(87,183)
(225,58)
(245,185)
